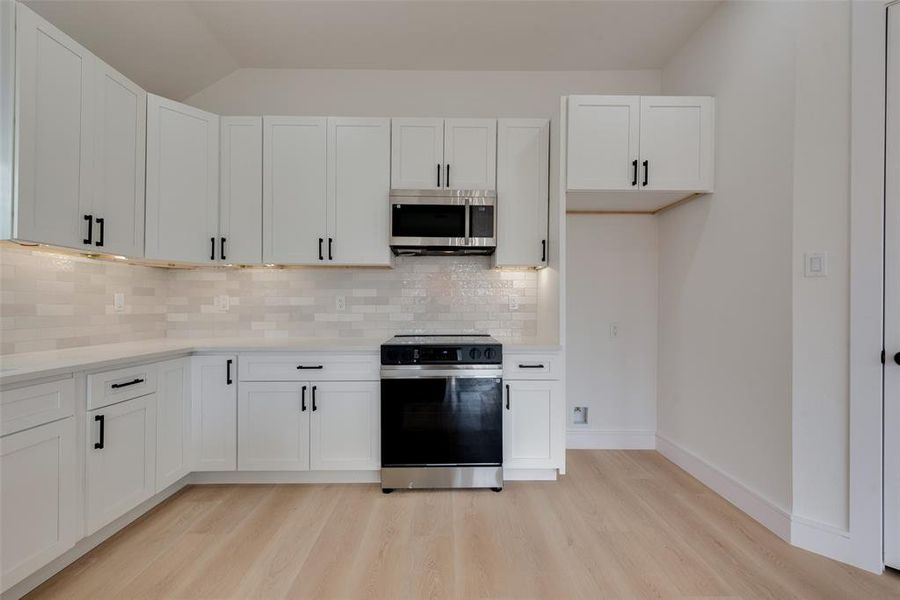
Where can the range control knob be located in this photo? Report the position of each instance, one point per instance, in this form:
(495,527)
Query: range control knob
(490,353)
(475,353)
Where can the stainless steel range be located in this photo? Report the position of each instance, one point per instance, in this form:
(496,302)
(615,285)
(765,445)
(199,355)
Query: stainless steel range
(441,412)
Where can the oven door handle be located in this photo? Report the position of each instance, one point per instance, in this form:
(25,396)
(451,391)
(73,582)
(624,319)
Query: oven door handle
(443,374)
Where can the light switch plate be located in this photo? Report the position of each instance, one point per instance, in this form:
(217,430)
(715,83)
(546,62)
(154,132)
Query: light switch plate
(119,301)
(340,303)
(815,264)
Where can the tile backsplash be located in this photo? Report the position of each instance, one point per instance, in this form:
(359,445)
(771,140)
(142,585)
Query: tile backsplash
(52,301)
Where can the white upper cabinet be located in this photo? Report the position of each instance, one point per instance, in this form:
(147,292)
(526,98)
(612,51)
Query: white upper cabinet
(294,190)
(54,108)
(182,182)
(470,154)
(677,143)
(603,138)
(523,166)
(417,154)
(240,192)
(120,119)
(358,191)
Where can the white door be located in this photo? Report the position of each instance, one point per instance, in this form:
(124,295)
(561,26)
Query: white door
(603,137)
(121,459)
(892,299)
(54,107)
(417,154)
(240,197)
(173,422)
(273,426)
(677,142)
(470,154)
(359,166)
(527,419)
(523,192)
(39,484)
(346,425)
(214,413)
(294,190)
(182,182)
(120,125)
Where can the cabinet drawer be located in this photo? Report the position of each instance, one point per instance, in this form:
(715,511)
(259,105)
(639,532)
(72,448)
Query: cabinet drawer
(309,366)
(34,405)
(530,366)
(110,387)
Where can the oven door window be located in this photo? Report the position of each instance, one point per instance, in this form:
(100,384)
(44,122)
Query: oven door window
(428,220)
(441,421)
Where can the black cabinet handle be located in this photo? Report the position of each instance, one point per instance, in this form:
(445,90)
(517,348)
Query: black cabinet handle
(507,396)
(315,408)
(303,399)
(897,358)
(222,248)
(538,366)
(90,238)
(646,171)
(212,248)
(330,242)
(304,367)
(320,249)
(99,445)
(543,250)
(634,175)
(100,221)
(438,175)
(447,178)
(116,386)
(228,380)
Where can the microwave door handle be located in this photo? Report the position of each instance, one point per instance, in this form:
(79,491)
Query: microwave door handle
(468,220)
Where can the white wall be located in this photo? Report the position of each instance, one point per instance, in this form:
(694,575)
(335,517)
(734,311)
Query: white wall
(612,278)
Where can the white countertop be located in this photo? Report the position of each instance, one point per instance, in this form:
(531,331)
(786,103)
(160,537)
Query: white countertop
(16,368)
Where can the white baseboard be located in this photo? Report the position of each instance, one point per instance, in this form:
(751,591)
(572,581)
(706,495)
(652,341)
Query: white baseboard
(529,474)
(770,515)
(821,538)
(220,477)
(612,439)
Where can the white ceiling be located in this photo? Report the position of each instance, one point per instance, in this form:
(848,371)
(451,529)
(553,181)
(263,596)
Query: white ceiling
(177,47)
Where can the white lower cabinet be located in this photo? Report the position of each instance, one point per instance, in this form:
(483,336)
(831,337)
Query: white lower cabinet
(345,426)
(173,422)
(528,425)
(273,426)
(38,498)
(121,459)
(214,412)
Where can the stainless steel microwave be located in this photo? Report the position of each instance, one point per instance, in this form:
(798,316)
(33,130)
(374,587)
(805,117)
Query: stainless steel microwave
(436,222)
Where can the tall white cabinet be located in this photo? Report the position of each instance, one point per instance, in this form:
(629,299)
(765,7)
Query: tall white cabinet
(182,182)
(454,154)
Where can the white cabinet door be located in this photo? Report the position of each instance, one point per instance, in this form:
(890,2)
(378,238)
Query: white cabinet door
(523,192)
(417,154)
(359,166)
(121,459)
(240,217)
(120,121)
(527,425)
(677,142)
(273,426)
(54,108)
(39,484)
(470,154)
(214,413)
(294,190)
(603,142)
(346,425)
(173,422)
(182,182)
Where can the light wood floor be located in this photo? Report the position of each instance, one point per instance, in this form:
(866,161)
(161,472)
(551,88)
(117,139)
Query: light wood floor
(621,524)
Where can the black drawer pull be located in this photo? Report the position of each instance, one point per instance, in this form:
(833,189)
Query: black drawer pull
(116,386)
(539,366)
(304,367)
(315,408)
(228,380)
(99,445)
(100,221)
(303,399)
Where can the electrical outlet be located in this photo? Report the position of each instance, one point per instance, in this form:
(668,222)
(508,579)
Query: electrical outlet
(340,303)
(221,303)
(613,330)
(513,303)
(119,301)
(580,415)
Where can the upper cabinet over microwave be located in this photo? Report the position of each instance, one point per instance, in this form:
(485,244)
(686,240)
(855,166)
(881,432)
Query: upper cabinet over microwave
(656,149)
(448,154)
